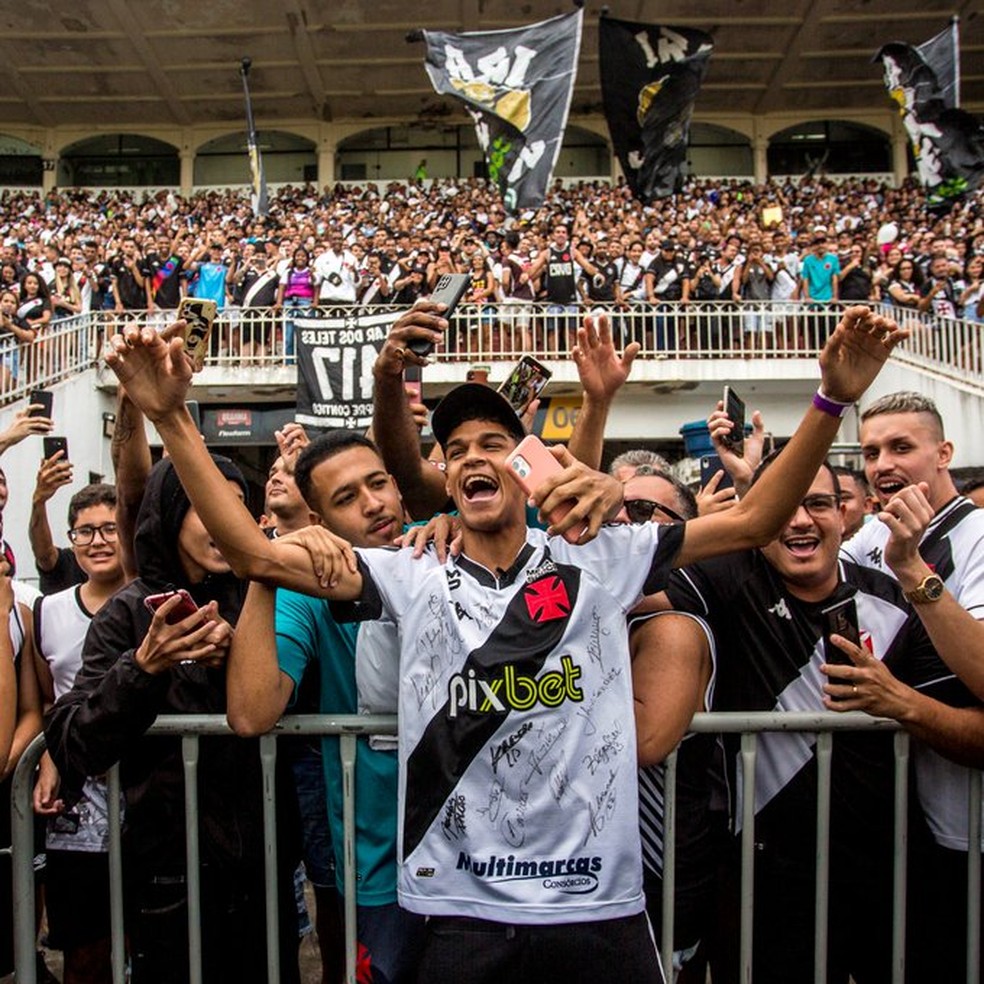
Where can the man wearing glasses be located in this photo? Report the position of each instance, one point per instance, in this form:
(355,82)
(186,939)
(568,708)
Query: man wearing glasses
(766,610)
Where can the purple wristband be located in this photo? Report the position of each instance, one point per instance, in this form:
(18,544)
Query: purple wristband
(832,407)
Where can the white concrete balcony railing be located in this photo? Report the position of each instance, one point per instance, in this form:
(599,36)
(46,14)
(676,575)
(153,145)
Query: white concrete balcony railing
(697,341)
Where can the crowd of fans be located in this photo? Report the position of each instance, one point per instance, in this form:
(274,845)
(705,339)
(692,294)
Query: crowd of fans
(815,241)
(148,613)
(106,646)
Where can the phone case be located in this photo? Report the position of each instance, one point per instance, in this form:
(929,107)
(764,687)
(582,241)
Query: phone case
(530,464)
(449,290)
(734,407)
(52,445)
(186,608)
(200,313)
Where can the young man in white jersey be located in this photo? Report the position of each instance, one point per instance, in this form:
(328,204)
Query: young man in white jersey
(931,539)
(77,870)
(519,817)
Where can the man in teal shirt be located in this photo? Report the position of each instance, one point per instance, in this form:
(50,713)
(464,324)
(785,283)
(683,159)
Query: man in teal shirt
(343,479)
(820,272)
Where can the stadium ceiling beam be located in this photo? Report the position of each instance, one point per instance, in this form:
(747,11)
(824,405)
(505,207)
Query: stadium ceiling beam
(300,33)
(135,37)
(803,34)
(23,91)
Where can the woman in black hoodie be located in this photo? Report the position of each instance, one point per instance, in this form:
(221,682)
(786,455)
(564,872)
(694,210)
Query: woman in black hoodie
(135,668)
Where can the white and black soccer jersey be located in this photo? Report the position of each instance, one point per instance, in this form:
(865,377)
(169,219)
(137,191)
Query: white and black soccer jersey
(953,546)
(517,736)
(770,649)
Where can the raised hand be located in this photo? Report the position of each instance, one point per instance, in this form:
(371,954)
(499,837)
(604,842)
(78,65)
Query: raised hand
(856,351)
(153,367)
(601,371)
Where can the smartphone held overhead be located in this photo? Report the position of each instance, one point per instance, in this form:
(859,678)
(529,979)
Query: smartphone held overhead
(199,313)
(525,383)
(448,290)
(734,407)
(52,445)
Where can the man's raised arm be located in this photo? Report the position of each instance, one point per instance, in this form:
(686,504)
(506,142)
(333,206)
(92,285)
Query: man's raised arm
(156,373)
(422,485)
(852,357)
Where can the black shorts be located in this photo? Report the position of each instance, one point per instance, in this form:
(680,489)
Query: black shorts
(77,898)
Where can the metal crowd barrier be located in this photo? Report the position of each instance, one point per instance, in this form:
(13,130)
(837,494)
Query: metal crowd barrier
(350,727)
(951,349)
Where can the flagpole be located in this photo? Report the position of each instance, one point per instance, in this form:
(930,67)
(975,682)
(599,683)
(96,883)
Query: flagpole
(252,144)
(955,29)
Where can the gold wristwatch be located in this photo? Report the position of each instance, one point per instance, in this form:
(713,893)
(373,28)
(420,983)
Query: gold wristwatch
(929,589)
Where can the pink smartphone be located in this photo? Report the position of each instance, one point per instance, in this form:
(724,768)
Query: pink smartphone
(531,464)
(184,609)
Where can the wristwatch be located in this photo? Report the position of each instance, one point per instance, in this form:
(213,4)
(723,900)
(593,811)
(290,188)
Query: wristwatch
(929,589)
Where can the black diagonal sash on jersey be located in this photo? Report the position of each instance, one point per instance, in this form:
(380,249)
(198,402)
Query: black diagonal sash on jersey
(921,666)
(449,744)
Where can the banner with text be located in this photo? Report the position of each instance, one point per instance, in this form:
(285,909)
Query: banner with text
(650,77)
(517,86)
(335,357)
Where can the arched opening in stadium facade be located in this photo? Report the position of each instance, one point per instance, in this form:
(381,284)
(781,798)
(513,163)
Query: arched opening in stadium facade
(831,147)
(119,160)
(287,159)
(20,162)
(718,151)
(450,150)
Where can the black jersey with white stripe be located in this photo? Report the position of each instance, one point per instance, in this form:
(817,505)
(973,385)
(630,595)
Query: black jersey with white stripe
(952,546)
(770,649)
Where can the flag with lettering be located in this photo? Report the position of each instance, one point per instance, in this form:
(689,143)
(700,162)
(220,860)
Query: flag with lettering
(517,86)
(335,357)
(650,77)
(947,142)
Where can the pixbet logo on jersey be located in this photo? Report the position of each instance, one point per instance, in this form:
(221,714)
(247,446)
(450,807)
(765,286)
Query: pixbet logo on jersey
(513,691)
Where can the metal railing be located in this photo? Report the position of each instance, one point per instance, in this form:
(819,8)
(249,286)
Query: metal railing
(950,349)
(350,727)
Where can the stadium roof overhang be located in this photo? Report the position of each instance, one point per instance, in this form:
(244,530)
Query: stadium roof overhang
(176,62)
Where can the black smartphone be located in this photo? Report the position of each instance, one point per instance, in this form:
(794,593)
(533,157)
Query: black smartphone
(841,619)
(45,398)
(52,445)
(709,465)
(449,290)
(413,379)
(525,383)
(734,407)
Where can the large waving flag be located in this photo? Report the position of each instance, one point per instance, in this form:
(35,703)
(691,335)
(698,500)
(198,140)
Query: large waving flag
(517,85)
(948,143)
(650,77)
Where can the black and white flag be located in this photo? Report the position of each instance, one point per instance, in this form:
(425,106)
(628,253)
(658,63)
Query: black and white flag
(947,143)
(335,357)
(517,86)
(650,77)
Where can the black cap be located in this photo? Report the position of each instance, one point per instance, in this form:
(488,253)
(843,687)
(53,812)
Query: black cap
(473,401)
(668,244)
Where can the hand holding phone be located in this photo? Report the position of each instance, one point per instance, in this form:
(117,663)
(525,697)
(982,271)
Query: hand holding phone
(734,407)
(525,383)
(199,313)
(185,607)
(449,290)
(52,445)
(44,400)
(841,619)
(531,464)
